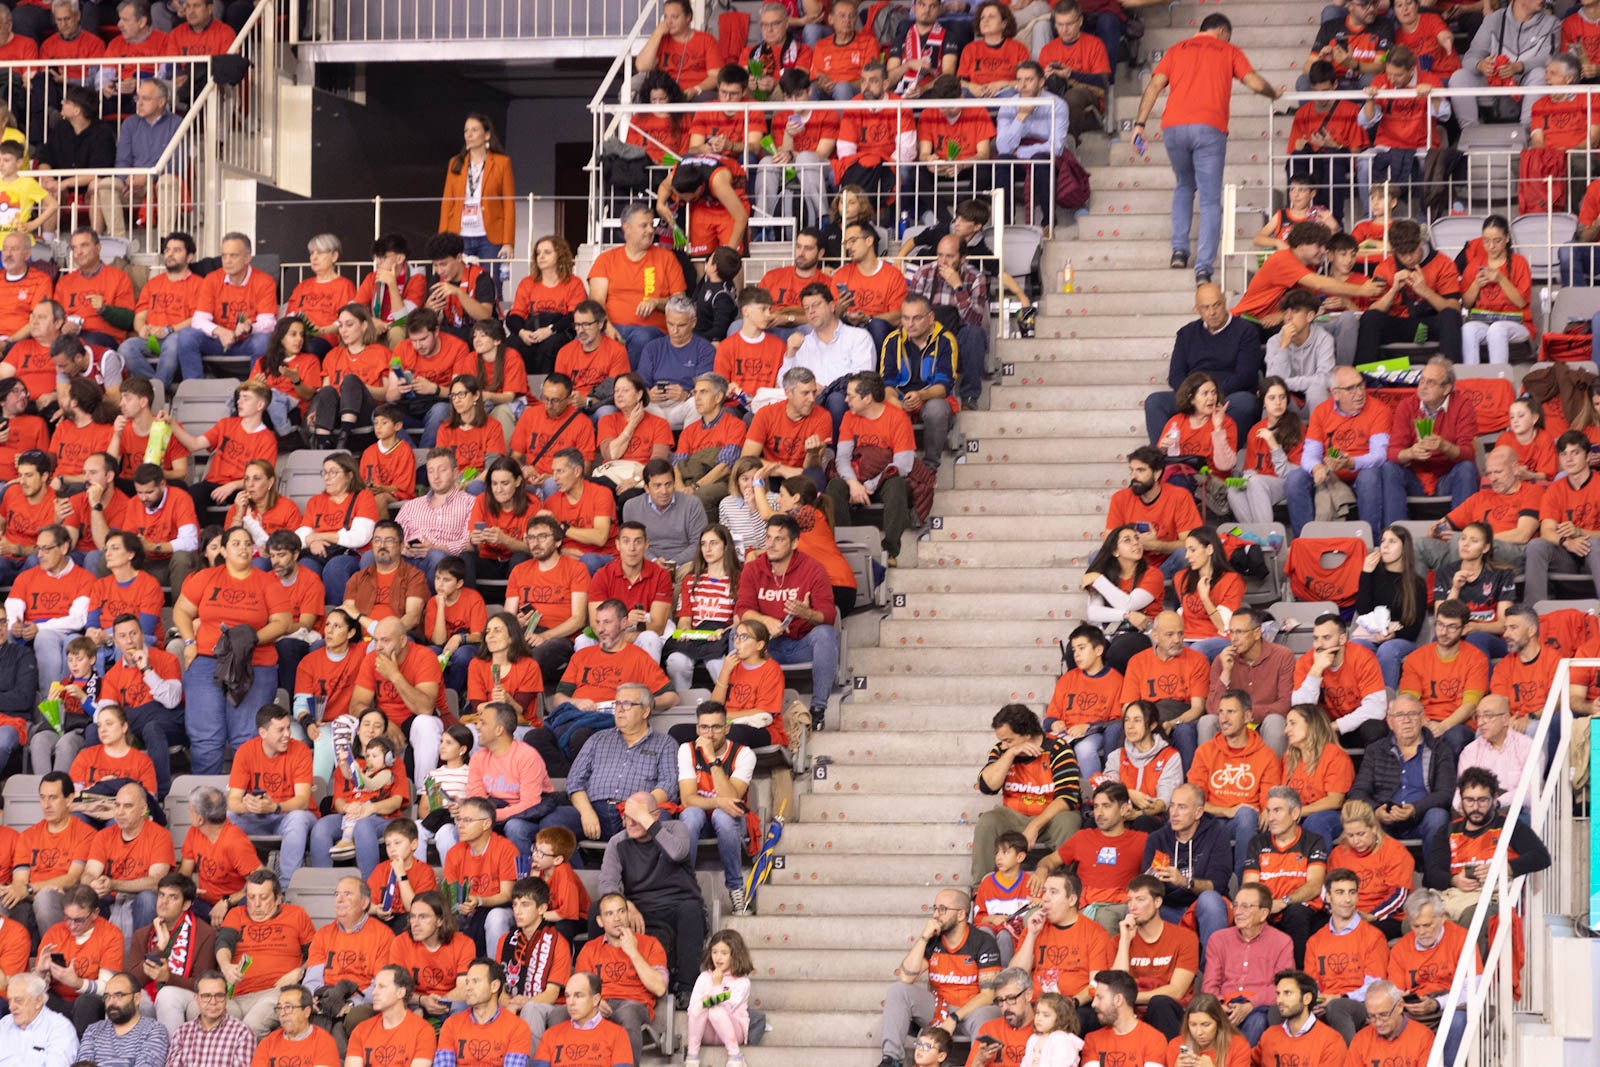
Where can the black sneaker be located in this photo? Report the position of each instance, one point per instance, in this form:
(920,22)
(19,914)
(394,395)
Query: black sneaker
(1180,259)
(1202,277)
(890,1061)
(1026,318)
(818,713)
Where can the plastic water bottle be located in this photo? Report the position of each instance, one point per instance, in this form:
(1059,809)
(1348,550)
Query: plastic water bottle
(905,224)
(1067,284)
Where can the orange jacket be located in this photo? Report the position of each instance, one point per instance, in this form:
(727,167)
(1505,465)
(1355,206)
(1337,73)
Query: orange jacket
(499,212)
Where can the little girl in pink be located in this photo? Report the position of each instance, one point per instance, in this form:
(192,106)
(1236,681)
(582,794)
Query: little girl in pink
(721,998)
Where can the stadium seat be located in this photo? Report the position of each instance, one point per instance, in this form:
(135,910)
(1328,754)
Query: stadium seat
(21,795)
(177,802)
(312,888)
(300,474)
(1301,614)
(1535,237)
(1450,235)
(1339,529)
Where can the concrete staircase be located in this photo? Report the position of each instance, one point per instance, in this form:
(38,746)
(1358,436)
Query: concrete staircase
(976,611)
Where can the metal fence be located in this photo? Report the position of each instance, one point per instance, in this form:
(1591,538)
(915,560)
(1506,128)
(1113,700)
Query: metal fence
(419,22)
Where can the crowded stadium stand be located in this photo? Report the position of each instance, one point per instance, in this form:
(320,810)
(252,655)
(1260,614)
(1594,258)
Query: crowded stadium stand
(798,533)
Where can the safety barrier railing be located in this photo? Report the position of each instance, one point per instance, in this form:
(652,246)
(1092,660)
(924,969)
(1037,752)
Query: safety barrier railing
(32,89)
(921,187)
(424,21)
(248,115)
(1544,793)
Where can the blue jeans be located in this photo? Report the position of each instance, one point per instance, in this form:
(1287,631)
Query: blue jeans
(635,338)
(455,675)
(1185,737)
(436,417)
(136,357)
(193,345)
(1400,482)
(1300,491)
(1326,824)
(368,838)
(336,574)
(213,722)
(1210,915)
(820,646)
(1491,645)
(1391,657)
(1210,646)
(1254,1025)
(293,826)
(730,840)
(486,251)
(10,745)
(1434,821)
(1197,152)
(1244,825)
(1090,750)
(1107,27)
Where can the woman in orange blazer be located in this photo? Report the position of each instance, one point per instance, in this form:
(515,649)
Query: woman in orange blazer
(478,191)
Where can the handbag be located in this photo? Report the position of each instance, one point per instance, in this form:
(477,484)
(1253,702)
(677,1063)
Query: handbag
(335,551)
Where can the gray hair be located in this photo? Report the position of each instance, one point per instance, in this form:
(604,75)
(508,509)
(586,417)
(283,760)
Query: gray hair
(797,376)
(1386,988)
(636,208)
(209,805)
(235,235)
(1422,899)
(681,305)
(1285,793)
(159,86)
(646,697)
(325,242)
(1565,60)
(28,984)
(1013,976)
(1443,362)
(713,379)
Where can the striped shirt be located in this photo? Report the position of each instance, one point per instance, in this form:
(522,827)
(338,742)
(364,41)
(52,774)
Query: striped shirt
(443,524)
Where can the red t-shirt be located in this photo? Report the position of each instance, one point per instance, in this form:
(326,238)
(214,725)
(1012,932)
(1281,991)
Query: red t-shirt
(969,128)
(1201,71)
(419,667)
(1105,864)
(225,600)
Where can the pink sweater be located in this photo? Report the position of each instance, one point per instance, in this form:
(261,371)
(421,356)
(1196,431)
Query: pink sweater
(519,778)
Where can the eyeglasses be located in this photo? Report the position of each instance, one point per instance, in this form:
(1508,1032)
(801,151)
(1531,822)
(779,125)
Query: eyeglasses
(710,727)
(282,1009)
(620,704)
(78,920)
(1014,998)
(940,909)
(544,853)
(926,1046)
(585,324)
(737,636)
(1359,387)
(213,996)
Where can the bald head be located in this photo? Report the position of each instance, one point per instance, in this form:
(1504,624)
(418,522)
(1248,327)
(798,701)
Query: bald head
(1211,305)
(1500,469)
(1167,634)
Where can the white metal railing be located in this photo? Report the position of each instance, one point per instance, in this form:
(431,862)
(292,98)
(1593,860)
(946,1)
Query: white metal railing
(421,21)
(249,111)
(1545,793)
(27,85)
(935,185)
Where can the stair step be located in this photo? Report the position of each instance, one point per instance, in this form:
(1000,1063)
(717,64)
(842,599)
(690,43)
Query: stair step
(908,903)
(1053,347)
(1153,227)
(1038,401)
(984,690)
(784,964)
(876,839)
(1043,372)
(1098,449)
(916,870)
(947,780)
(863,932)
(1095,278)
(962,528)
(803,1030)
(771,1053)
(1053,581)
(816,996)
(1109,476)
(914,809)
(983,607)
(862,715)
(944,633)
(1015,665)
(857,749)
(1127,170)
(1074,305)
(1062,505)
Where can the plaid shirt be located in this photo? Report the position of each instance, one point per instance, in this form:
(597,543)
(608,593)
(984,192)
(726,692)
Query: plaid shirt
(609,770)
(444,525)
(971,301)
(231,1044)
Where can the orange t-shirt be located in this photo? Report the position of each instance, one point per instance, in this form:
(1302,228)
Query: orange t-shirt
(1231,776)
(332,680)
(890,430)
(131,447)
(594,502)
(71,444)
(1345,688)
(522,681)
(33,365)
(568,897)
(102,950)
(689,62)
(1106,862)
(1438,271)
(357,955)
(652,430)
(496,864)
(227,303)
(437,970)
(1152,963)
(757,689)
(1081,698)
(233,447)
(785,283)
(782,439)
(1525,685)
(589,369)
(276,776)
(1238,1054)
(220,866)
(380,1046)
(1201,71)
(1184,677)
(486,1044)
(1341,962)
(534,297)
(419,667)
(1319,1046)
(843,62)
(1350,434)
(1280,272)
(878,293)
(550,591)
(594,674)
(1334,773)
(1382,871)
(73,290)
(1411,1047)
(656,275)
(1537,455)
(1227,591)
(1429,972)
(50,855)
(275,946)
(1443,686)
(315,1049)
(1065,957)
(1139,1047)
(1169,516)
(320,300)
(124,859)
(473,445)
(47,596)
(536,428)
(225,600)
(166,302)
(618,977)
(396,468)
(422,880)
(983,63)
(749,365)
(94,764)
